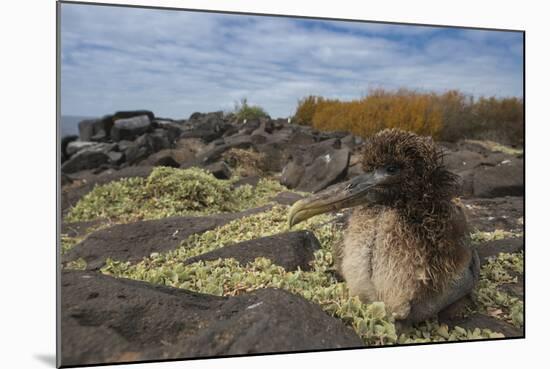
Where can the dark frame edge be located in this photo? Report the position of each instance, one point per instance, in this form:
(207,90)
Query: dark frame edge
(524,191)
(58,183)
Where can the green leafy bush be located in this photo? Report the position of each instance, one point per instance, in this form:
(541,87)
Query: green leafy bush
(244,111)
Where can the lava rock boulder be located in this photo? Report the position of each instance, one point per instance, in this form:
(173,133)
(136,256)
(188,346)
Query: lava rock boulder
(106,319)
(130,128)
(291,250)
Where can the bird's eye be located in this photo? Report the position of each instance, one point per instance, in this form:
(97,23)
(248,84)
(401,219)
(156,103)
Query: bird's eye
(392,169)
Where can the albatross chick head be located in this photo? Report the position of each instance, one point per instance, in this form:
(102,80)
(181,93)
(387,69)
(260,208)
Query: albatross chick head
(402,170)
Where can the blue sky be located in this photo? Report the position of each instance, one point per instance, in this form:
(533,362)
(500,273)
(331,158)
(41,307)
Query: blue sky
(178,62)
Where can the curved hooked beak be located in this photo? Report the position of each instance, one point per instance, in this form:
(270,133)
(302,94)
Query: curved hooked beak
(339,196)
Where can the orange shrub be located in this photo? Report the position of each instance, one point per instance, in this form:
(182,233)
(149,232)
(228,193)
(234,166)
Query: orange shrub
(306,109)
(448,116)
(499,119)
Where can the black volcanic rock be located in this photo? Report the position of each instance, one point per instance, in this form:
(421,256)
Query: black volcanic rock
(485,173)
(89,157)
(213,152)
(145,145)
(488,214)
(65,141)
(172,128)
(503,179)
(325,171)
(317,166)
(76,145)
(292,174)
(106,319)
(169,158)
(130,128)
(95,129)
(133,241)
(250,126)
(290,250)
(276,152)
(287,198)
(133,113)
(490,249)
(220,170)
(208,127)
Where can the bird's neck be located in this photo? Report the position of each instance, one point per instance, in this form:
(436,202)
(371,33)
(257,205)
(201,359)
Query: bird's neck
(438,223)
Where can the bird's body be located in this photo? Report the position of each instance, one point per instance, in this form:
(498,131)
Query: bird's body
(406,241)
(382,258)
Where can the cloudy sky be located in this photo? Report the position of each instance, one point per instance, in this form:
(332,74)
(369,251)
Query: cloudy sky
(178,62)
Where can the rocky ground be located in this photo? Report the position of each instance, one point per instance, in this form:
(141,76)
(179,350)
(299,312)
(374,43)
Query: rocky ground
(175,242)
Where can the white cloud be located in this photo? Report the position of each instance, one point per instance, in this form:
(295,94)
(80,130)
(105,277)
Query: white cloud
(176,62)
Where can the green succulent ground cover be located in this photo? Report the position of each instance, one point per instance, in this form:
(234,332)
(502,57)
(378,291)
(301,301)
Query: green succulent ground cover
(496,147)
(170,192)
(176,192)
(498,272)
(498,234)
(68,242)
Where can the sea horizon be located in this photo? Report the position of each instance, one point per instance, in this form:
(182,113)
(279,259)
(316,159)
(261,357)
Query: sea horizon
(69,124)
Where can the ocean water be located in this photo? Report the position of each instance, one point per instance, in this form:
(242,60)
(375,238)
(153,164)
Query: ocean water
(69,124)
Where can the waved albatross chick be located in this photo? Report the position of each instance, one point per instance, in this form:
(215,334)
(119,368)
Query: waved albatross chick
(406,242)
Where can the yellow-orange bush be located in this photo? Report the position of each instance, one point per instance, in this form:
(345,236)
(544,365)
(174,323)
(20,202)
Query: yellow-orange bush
(447,116)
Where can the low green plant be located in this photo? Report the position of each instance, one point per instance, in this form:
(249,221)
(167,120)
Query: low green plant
(229,278)
(78,264)
(68,242)
(497,147)
(263,224)
(170,192)
(498,234)
(245,111)
(497,272)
